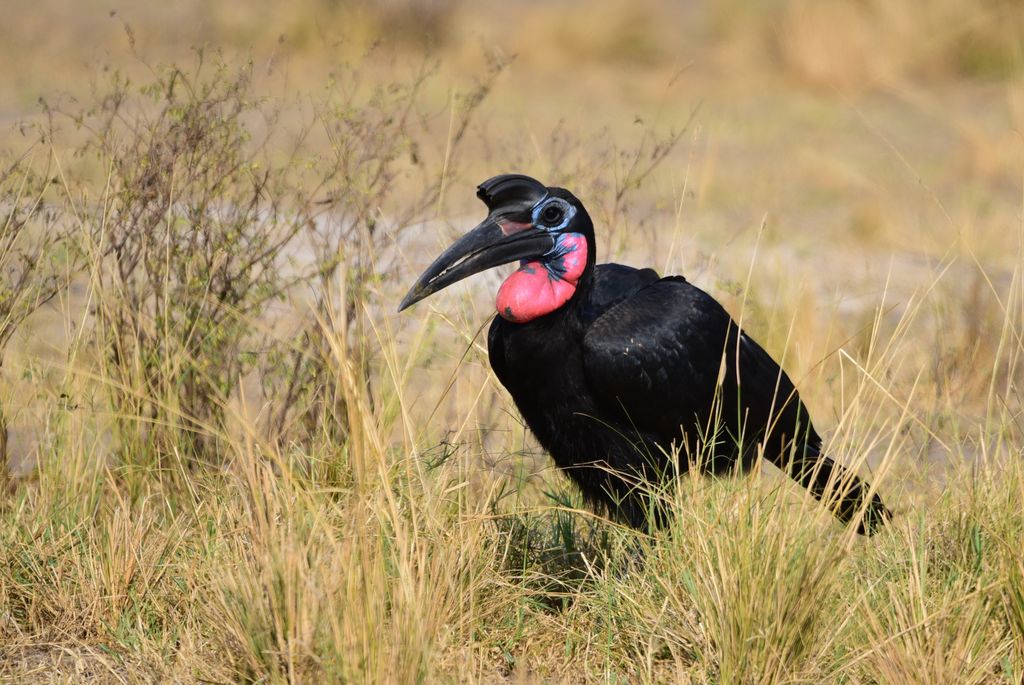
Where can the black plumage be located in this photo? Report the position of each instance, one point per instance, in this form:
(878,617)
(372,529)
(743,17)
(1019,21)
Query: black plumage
(632,368)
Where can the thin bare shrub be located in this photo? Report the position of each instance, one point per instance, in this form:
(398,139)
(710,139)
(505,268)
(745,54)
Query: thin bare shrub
(37,257)
(187,230)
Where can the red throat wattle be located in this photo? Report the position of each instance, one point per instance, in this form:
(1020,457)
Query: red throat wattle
(541,286)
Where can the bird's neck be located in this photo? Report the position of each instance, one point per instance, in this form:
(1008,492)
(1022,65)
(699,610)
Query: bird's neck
(540,286)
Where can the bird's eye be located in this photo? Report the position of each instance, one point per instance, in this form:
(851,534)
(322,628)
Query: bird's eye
(552,215)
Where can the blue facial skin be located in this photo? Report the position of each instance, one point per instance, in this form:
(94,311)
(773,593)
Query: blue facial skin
(568,212)
(553,259)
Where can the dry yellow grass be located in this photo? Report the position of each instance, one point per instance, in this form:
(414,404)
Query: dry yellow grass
(262,474)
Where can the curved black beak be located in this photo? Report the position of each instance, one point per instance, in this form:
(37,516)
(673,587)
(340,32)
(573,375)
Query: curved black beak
(490,244)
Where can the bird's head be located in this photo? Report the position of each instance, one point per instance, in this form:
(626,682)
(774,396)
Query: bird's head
(546,229)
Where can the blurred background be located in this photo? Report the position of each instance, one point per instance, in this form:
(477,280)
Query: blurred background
(826,166)
(895,123)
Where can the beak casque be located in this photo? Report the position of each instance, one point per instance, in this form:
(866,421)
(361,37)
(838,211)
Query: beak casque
(506,235)
(484,247)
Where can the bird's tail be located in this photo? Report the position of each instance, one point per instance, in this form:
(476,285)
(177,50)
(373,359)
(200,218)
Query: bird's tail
(839,489)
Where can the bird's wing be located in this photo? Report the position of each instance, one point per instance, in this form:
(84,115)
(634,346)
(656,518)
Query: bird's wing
(662,356)
(612,284)
(654,357)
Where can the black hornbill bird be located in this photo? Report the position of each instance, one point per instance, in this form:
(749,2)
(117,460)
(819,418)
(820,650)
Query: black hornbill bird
(615,369)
